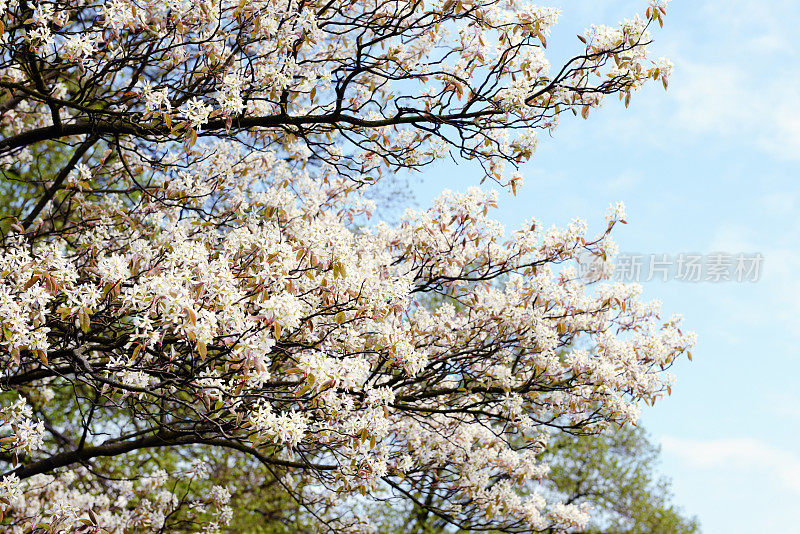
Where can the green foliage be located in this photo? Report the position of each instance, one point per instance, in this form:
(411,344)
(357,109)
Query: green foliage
(18,191)
(616,474)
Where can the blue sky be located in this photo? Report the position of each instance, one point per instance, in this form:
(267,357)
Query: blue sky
(709,165)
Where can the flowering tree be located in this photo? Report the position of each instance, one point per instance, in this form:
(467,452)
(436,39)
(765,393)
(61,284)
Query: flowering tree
(194,303)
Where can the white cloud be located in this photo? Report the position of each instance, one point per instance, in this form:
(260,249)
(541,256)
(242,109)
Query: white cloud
(783,403)
(742,455)
(710,96)
(734,74)
(732,102)
(625,181)
(756,25)
(783,203)
(734,238)
(774,300)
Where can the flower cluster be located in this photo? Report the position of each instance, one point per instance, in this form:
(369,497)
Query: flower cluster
(26,434)
(200,64)
(322,342)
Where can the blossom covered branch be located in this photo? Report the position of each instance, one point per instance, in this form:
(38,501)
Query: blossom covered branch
(388,84)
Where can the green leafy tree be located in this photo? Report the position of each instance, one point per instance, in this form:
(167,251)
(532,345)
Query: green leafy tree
(617,475)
